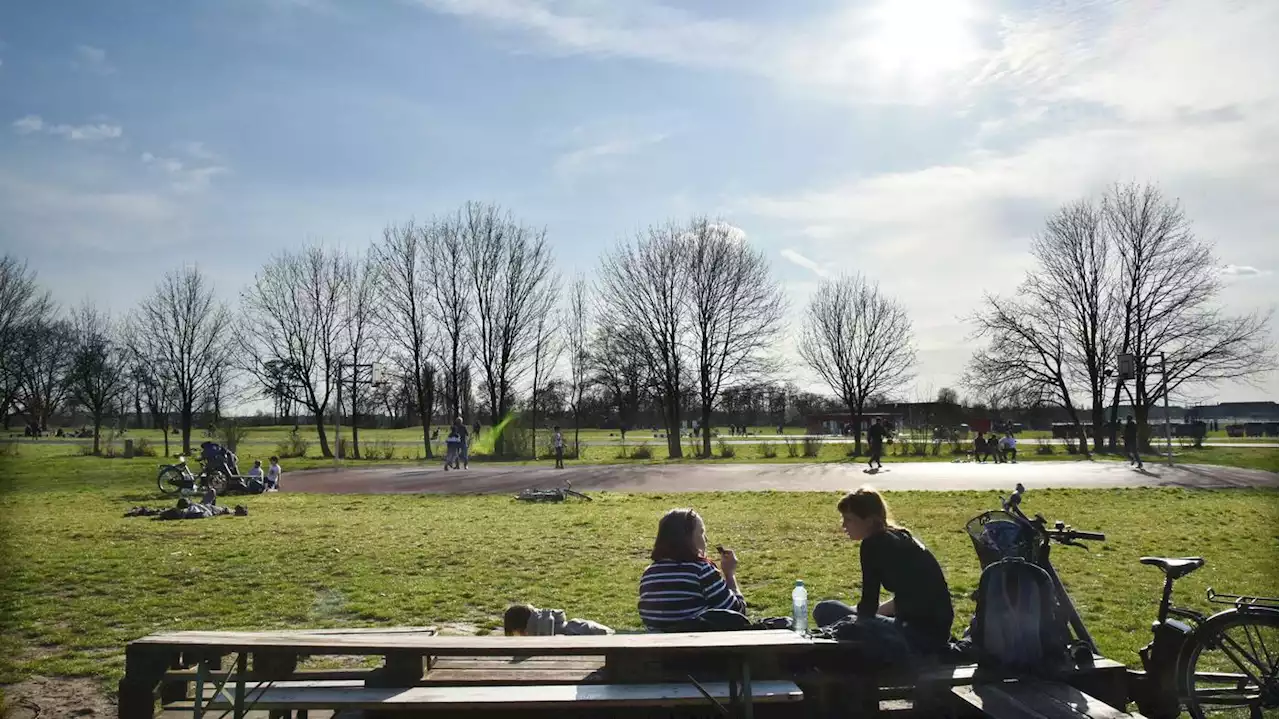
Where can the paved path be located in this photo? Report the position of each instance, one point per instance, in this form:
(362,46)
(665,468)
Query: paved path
(827,477)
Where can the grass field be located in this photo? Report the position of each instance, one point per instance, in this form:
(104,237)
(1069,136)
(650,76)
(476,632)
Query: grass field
(78,581)
(406,445)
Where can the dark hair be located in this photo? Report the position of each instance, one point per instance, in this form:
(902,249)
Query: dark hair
(516,618)
(275,459)
(675,537)
(865,503)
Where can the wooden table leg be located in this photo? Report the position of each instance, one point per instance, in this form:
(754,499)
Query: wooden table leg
(144,671)
(748,708)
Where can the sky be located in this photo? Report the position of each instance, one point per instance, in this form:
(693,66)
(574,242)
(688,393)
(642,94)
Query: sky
(919,142)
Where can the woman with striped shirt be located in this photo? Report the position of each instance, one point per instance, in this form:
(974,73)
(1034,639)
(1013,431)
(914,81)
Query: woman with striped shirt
(682,584)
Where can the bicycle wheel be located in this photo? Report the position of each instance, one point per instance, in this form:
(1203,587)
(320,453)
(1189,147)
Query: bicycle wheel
(170,480)
(1230,669)
(218,481)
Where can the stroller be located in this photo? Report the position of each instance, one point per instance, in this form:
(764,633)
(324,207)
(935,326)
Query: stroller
(453,451)
(217,458)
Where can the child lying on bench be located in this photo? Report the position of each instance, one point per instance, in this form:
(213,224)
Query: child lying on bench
(527,620)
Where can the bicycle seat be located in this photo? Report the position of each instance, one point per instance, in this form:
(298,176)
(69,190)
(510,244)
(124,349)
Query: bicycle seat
(1175,566)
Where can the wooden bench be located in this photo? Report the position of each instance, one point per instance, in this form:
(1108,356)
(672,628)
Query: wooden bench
(1037,700)
(419,659)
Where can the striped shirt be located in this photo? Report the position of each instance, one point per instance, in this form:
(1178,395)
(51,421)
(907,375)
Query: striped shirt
(672,592)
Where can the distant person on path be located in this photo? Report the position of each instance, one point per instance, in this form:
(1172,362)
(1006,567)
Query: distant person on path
(916,620)
(451,444)
(475,428)
(464,442)
(682,585)
(557,440)
(1131,442)
(875,436)
(979,447)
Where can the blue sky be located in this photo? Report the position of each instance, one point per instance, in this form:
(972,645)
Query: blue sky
(920,141)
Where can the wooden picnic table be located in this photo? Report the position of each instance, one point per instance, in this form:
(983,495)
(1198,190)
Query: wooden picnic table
(629,658)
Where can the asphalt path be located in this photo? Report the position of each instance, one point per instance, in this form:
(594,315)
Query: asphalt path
(825,477)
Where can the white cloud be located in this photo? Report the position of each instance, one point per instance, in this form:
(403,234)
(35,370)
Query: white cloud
(183,178)
(1242,271)
(602,154)
(195,149)
(89,133)
(92,59)
(799,259)
(27,125)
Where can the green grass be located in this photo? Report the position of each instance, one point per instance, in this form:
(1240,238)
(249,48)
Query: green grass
(78,581)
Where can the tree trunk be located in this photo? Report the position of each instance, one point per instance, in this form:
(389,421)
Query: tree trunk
(165,430)
(187,413)
(325,451)
(706,429)
(97,431)
(1099,422)
(671,413)
(355,425)
(856,411)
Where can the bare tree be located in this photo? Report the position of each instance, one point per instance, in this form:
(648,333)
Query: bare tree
(405,315)
(509,269)
(44,350)
(22,303)
(548,347)
(644,287)
(736,306)
(858,341)
(99,366)
(623,376)
(1166,296)
(579,353)
(179,332)
(363,343)
(295,305)
(449,306)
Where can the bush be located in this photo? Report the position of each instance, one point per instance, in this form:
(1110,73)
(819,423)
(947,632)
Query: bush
(9,448)
(793,447)
(1044,446)
(382,449)
(144,448)
(642,451)
(726,450)
(812,446)
(768,450)
(108,444)
(230,435)
(295,446)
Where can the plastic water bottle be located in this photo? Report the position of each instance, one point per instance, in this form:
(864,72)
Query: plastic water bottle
(800,608)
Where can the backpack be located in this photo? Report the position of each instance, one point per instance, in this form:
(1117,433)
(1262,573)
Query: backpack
(1017,626)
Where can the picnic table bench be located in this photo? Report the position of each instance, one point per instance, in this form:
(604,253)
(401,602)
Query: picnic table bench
(639,671)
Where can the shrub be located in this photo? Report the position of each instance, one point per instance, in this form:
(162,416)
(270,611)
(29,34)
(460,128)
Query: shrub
(230,435)
(295,446)
(768,450)
(85,450)
(382,449)
(793,447)
(108,444)
(812,446)
(344,447)
(1044,446)
(726,450)
(144,448)
(642,451)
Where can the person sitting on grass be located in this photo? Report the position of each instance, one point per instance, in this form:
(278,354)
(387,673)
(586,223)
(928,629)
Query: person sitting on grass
(257,479)
(683,590)
(527,620)
(916,620)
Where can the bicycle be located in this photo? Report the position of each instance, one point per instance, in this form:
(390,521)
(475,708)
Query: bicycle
(178,478)
(556,494)
(1221,665)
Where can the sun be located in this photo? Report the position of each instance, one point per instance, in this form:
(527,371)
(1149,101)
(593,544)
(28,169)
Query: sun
(919,39)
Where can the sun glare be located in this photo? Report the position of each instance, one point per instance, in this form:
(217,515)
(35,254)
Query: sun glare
(919,39)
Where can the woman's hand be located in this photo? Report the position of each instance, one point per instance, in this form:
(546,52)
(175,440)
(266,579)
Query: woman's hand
(728,563)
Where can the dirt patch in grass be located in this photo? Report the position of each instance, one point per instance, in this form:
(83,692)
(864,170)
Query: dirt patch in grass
(48,698)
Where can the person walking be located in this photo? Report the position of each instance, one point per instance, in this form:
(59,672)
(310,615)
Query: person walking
(557,440)
(464,444)
(875,436)
(1131,442)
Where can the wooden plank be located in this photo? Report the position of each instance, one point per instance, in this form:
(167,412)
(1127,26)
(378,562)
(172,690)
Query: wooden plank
(481,677)
(553,662)
(746,642)
(510,697)
(1036,700)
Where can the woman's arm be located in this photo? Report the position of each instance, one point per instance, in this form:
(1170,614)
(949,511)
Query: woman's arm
(870,602)
(721,592)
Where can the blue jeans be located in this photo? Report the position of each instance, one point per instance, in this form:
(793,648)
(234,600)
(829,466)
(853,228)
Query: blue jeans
(884,639)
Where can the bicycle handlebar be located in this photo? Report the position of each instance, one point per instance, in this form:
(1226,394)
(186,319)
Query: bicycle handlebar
(1059,532)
